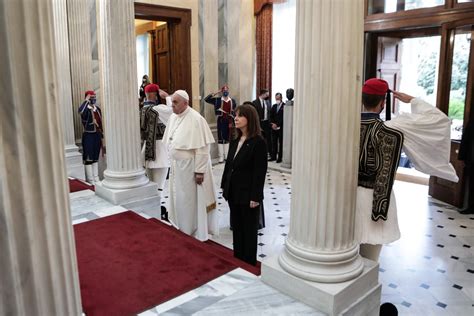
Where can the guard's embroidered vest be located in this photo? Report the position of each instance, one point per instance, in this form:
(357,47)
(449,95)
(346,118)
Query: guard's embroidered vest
(227,107)
(152,129)
(380,149)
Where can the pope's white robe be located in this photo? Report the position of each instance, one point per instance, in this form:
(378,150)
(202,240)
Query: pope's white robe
(427,143)
(192,207)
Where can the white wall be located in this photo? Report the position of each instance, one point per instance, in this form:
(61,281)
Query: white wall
(283,52)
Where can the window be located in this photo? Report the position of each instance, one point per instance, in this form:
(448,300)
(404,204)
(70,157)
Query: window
(143,57)
(283,52)
(419,69)
(389,6)
(459,70)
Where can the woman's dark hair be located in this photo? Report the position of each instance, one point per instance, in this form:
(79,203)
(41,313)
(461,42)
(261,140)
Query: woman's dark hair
(370,101)
(278,93)
(253,124)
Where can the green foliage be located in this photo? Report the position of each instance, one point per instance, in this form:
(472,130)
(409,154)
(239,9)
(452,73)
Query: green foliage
(427,73)
(460,61)
(427,68)
(456,109)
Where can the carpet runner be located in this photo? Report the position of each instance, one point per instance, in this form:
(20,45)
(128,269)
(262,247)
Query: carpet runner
(128,264)
(79,185)
(216,249)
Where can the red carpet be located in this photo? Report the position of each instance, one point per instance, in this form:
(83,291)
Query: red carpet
(78,185)
(128,264)
(218,250)
(227,253)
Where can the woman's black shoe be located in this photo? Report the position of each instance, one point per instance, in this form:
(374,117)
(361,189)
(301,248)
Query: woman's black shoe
(164,214)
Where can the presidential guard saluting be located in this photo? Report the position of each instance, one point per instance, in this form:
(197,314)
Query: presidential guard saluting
(153,120)
(92,137)
(424,135)
(224,107)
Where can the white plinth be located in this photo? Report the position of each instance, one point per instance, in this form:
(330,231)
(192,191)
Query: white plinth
(119,197)
(150,206)
(360,296)
(74,165)
(287,135)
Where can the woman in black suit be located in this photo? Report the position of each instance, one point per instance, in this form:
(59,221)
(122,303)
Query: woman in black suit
(243,181)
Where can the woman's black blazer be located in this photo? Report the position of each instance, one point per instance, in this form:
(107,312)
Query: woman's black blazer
(244,174)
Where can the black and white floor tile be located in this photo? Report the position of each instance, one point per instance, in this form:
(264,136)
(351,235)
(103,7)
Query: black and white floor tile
(429,271)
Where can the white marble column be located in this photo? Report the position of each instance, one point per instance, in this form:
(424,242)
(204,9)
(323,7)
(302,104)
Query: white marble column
(241,48)
(321,247)
(247,51)
(233,17)
(38,265)
(80,51)
(74,164)
(208,61)
(288,134)
(124,178)
(209,80)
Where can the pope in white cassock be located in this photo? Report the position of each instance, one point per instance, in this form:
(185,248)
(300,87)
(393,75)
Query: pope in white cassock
(192,195)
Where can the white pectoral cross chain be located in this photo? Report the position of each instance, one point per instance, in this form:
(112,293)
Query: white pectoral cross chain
(177,125)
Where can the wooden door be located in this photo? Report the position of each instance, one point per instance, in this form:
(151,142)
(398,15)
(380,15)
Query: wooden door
(178,23)
(389,64)
(161,60)
(446,191)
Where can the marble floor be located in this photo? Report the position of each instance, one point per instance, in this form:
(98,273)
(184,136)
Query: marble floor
(429,271)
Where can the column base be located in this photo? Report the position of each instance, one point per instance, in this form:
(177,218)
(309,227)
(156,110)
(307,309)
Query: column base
(74,165)
(286,165)
(321,266)
(125,180)
(123,196)
(360,296)
(213,148)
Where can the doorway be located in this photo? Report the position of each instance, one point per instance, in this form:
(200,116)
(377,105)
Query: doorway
(167,56)
(456,99)
(153,54)
(409,63)
(437,64)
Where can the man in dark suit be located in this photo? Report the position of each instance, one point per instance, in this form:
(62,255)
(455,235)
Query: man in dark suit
(466,154)
(276,118)
(263,107)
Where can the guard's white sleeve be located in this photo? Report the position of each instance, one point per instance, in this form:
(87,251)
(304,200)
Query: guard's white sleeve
(201,159)
(164,111)
(427,139)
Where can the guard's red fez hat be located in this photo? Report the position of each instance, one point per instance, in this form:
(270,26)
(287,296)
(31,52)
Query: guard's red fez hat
(375,86)
(152,87)
(89,92)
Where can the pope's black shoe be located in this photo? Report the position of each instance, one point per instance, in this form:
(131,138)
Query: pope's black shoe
(164,214)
